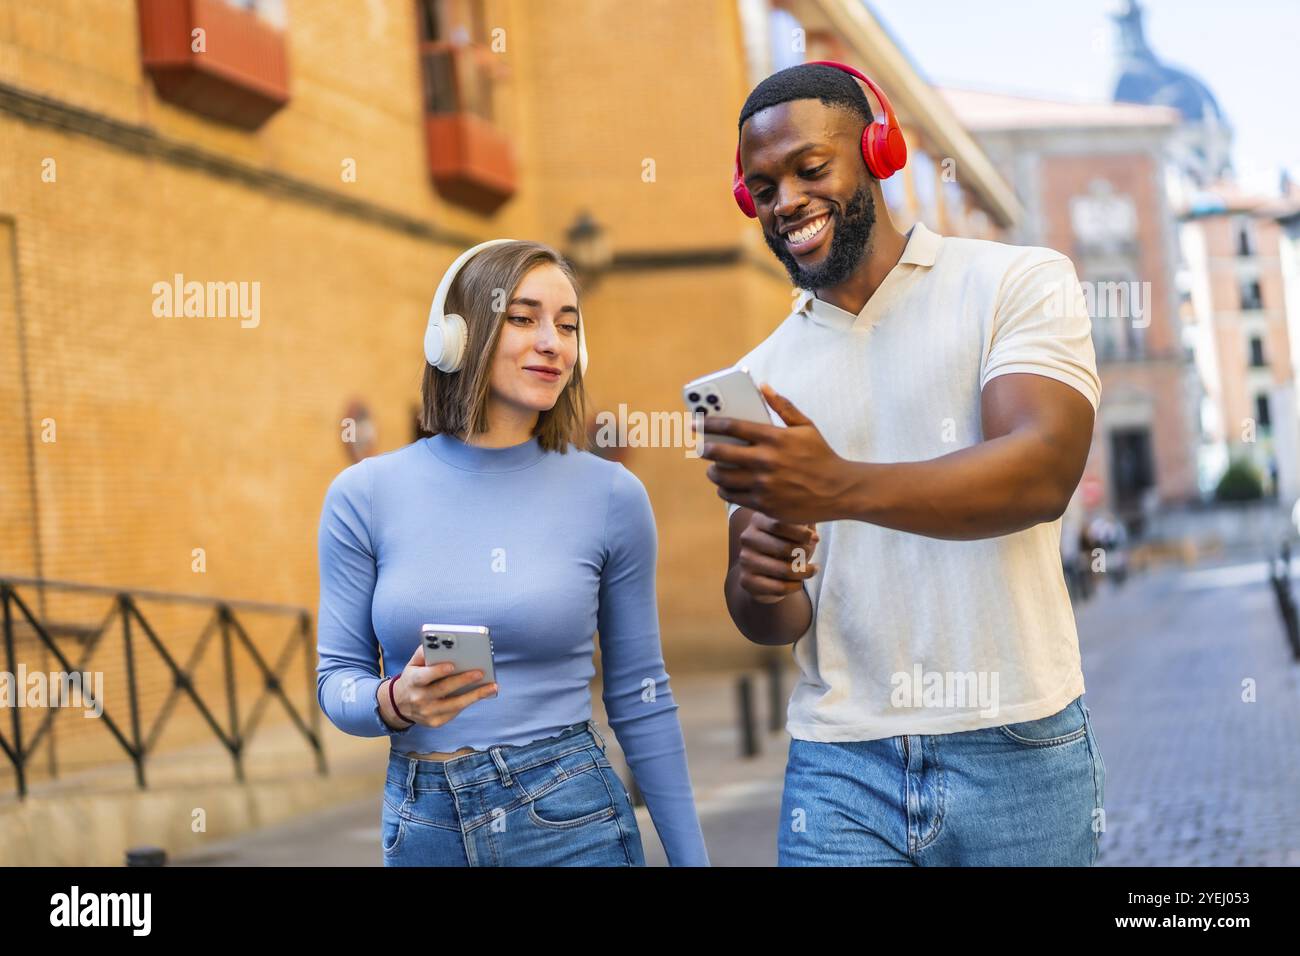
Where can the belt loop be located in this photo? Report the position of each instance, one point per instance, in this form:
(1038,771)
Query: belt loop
(501,766)
(412,766)
(591,725)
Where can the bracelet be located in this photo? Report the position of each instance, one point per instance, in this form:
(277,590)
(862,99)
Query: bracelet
(393,700)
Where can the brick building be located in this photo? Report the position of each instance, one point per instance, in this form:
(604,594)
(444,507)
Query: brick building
(1230,272)
(1092,179)
(1232,247)
(221,224)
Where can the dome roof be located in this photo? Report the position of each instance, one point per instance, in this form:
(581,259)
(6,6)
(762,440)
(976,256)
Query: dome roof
(1166,86)
(1144,79)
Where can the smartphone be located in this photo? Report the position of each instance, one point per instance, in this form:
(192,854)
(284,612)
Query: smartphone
(469,648)
(730,392)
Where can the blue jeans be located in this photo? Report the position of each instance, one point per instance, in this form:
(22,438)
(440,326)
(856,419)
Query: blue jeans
(1025,794)
(553,802)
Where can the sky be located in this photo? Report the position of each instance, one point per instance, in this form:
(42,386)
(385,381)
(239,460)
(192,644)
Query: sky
(1244,51)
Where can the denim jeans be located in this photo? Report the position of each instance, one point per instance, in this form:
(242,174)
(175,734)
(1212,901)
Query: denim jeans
(1024,794)
(553,802)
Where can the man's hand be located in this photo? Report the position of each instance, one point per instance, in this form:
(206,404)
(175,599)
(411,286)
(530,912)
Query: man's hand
(774,558)
(1036,435)
(766,597)
(789,474)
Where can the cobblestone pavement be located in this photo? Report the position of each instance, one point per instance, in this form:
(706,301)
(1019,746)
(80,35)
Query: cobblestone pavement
(1195,774)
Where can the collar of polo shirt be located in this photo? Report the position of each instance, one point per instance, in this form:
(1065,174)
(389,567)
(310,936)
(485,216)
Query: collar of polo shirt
(921,249)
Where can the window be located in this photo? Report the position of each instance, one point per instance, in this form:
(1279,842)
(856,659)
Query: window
(1131,465)
(1251,297)
(1257,352)
(455,83)
(471,159)
(1262,417)
(1104,340)
(272,11)
(1112,305)
(1135,342)
(452,21)
(456,78)
(1245,237)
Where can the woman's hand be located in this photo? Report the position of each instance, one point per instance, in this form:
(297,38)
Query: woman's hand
(422,692)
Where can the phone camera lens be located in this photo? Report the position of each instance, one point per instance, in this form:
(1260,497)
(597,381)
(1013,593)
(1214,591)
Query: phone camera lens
(701,410)
(446,642)
(713,400)
(694,396)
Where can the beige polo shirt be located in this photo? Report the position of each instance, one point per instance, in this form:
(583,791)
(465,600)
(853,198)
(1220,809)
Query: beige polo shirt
(912,634)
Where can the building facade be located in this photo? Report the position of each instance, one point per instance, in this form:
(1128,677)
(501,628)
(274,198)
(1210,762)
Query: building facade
(221,225)
(1091,177)
(1232,251)
(1230,273)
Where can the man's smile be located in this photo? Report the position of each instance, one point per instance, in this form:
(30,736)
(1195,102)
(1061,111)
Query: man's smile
(803,237)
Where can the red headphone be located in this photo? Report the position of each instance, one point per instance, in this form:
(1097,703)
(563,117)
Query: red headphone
(883,147)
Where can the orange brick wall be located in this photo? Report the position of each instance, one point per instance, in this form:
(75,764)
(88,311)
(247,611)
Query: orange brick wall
(183,433)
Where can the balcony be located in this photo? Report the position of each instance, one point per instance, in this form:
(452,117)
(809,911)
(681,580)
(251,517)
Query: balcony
(239,75)
(470,159)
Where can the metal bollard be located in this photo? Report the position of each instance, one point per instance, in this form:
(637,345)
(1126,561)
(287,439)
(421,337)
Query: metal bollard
(745,698)
(775,704)
(146,856)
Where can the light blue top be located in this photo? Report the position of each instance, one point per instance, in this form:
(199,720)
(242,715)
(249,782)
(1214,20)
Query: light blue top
(541,547)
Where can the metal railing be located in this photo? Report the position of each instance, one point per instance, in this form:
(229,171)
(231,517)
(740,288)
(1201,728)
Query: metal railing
(137,742)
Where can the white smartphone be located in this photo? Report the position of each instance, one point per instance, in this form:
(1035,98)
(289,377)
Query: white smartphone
(469,648)
(732,393)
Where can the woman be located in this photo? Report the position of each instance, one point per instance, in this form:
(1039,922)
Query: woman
(497,520)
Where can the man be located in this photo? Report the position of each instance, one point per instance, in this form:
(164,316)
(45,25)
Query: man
(938,396)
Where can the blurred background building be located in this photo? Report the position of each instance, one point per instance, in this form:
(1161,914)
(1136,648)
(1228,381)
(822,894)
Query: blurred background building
(1190,319)
(340,155)
(333,159)
(1236,310)
(1092,179)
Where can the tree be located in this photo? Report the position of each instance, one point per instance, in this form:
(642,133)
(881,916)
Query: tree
(1241,482)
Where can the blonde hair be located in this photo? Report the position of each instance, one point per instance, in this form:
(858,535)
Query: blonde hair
(456,402)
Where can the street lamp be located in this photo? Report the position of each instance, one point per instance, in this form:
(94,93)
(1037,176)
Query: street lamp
(586,246)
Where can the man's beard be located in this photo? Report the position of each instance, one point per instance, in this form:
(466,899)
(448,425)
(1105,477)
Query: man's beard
(849,243)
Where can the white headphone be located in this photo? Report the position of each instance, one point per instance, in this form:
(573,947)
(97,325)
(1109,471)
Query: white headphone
(446,336)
